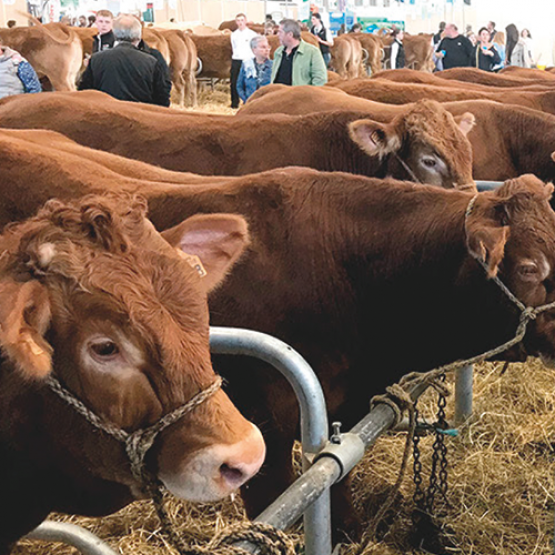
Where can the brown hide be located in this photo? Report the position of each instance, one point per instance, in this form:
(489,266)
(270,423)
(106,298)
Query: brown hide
(403,93)
(374,48)
(85,34)
(527,73)
(101,300)
(413,76)
(57,56)
(183,64)
(500,140)
(478,76)
(232,26)
(214,52)
(346,57)
(224,145)
(336,259)
(418,51)
(156,39)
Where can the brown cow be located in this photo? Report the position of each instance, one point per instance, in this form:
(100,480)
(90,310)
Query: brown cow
(418,51)
(346,57)
(373,47)
(92,295)
(430,142)
(214,52)
(337,259)
(231,25)
(507,140)
(474,75)
(183,64)
(155,39)
(57,58)
(527,73)
(390,92)
(413,76)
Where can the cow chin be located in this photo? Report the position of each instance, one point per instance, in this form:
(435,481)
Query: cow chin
(217,471)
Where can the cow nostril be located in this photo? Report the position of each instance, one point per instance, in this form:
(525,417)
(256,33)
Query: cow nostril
(233,476)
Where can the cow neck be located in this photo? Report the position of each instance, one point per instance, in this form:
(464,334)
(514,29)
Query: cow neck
(137,443)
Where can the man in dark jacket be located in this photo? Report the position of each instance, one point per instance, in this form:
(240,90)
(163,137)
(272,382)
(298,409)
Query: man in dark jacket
(125,72)
(454,49)
(105,38)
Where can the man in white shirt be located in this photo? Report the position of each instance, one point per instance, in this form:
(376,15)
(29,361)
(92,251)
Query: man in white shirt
(241,50)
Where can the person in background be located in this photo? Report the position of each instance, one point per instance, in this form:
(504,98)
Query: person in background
(356,28)
(82,21)
(520,55)
(323,37)
(241,51)
(499,43)
(125,72)
(473,39)
(269,19)
(454,50)
(92,19)
(255,72)
(17,75)
(397,58)
(512,40)
(295,61)
(105,38)
(485,53)
(439,35)
(491,29)
(11,23)
(527,39)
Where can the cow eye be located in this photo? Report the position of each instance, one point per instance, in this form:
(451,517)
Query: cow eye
(429,162)
(105,349)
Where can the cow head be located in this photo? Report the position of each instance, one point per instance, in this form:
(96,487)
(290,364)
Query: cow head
(91,292)
(512,230)
(423,144)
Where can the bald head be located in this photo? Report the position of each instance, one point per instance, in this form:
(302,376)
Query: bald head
(127,28)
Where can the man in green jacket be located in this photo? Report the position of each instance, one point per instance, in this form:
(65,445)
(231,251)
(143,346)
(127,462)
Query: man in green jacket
(296,62)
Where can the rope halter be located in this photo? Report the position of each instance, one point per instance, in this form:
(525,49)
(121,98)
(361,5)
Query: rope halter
(137,443)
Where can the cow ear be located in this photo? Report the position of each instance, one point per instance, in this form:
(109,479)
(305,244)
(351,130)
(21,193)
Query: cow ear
(466,122)
(24,319)
(376,139)
(217,239)
(487,235)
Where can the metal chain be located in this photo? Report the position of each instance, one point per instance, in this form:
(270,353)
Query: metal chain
(418,497)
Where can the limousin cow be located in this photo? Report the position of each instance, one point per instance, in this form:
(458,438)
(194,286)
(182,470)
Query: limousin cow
(94,299)
(506,140)
(345,268)
(390,92)
(423,142)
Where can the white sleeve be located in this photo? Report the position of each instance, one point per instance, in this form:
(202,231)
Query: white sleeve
(393,58)
(329,37)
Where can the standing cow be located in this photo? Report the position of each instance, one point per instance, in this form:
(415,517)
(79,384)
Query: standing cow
(367,279)
(91,295)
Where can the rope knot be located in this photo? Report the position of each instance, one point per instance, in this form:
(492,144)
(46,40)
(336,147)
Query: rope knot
(529,313)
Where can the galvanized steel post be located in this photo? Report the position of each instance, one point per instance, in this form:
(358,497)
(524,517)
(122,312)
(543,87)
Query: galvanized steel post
(70,534)
(314,419)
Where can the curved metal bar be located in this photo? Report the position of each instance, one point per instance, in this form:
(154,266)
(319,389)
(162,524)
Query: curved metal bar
(198,71)
(488,185)
(314,420)
(86,542)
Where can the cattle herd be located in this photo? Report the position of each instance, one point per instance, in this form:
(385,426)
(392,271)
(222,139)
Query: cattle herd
(343,220)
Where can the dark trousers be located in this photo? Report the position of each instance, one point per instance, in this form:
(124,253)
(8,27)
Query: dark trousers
(235,69)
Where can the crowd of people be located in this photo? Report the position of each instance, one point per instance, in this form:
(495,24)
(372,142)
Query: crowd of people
(125,67)
(489,49)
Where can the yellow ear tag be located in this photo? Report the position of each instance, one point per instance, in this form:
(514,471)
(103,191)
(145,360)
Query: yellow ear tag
(194,261)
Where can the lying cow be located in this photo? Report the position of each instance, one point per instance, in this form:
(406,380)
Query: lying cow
(507,140)
(92,295)
(473,75)
(423,143)
(346,269)
(402,93)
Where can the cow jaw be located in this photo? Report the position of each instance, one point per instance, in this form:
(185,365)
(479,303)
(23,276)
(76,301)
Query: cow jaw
(214,472)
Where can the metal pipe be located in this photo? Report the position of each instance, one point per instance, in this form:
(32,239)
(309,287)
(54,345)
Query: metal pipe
(488,185)
(314,420)
(86,542)
(464,381)
(327,470)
